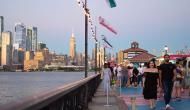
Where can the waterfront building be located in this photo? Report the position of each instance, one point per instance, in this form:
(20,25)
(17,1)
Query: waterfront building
(29,55)
(120,57)
(47,57)
(59,59)
(21,56)
(1,30)
(108,56)
(31,40)
(116,57)
(20,36)
(72,48)
(136,55)
(15,55)
(32,36)
(39,56)
(80,59)
(40,59)
(6,48)
(33,65)
(1,24)
(100,57)
(41,46)
(43,56)
(173,58)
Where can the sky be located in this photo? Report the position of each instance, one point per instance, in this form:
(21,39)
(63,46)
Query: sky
(152,23)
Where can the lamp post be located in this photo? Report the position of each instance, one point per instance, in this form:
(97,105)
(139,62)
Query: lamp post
(99,55)
(166,49)
(95,53)
(86,40)
(104,49)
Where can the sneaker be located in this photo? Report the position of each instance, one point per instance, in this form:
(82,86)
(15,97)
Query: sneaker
(178,99)
(167,107)
(154,108)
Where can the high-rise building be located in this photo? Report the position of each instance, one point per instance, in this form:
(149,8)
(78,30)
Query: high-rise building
(120,57)
(6,48)
(1,24)
(31,39)
(29,55)
(72,47)
(1,30)
(20,35)
(15,55)
(41,46)
(21,56)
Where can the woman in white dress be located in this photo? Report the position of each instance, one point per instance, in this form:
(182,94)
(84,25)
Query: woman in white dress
(106,78)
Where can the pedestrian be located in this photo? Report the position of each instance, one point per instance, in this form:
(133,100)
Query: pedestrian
(130,75)
(119,75)
(150,85)
(178,80)
(167,74)
(125,76)
(187,76)
(140,75)
(106,77)
(115,71)
(135,75)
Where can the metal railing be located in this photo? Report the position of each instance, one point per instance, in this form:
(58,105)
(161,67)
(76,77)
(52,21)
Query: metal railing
(67,97)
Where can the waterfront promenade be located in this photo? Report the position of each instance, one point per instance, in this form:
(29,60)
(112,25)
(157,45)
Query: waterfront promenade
(141,104)
(99,101)
(123,101)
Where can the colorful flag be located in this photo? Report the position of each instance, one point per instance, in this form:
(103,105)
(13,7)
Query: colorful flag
(107,44)
(103,23)
(111,3)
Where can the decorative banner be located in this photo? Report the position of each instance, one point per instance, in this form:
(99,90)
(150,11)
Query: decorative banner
(103,23)
(111,3)
(107,45)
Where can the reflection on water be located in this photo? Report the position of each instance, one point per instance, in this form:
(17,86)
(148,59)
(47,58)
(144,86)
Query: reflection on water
(14,86)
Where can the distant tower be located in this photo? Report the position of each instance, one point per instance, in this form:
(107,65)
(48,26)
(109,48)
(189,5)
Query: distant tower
(31,39)
(1,30)
(20,36)
(72,47)
(1,26)
(6,48)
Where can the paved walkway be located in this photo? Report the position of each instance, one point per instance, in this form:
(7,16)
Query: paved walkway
(141,104)
(99,101)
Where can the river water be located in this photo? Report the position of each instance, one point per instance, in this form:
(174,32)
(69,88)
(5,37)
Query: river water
(16,85)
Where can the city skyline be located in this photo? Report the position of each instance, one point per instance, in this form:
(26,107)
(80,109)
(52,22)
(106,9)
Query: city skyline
(147,22)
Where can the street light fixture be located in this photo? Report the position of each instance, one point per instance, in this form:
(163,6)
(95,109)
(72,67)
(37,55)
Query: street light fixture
(87,19)
(166,49)
(104,48)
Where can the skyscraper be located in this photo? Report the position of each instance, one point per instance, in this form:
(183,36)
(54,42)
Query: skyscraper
(6,48)
(72,47)
(1,30)
(20,35)
(1,24)
(31,39)
(41,46)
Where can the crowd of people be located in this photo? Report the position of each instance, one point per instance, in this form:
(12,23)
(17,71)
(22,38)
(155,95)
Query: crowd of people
(167,79)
